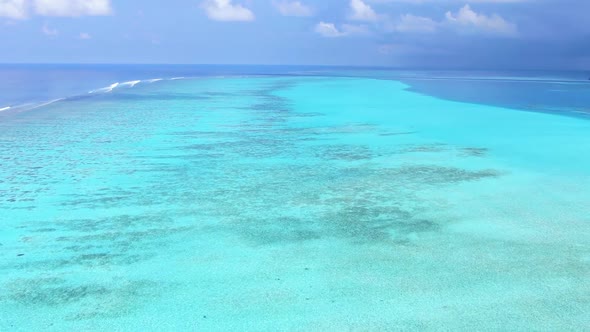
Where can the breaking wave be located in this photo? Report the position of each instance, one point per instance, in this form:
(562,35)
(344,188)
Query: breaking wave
(130,84)
(107,89)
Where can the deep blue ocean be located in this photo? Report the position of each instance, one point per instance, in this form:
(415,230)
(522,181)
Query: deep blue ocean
(255,198)
(543,91)
(22,84)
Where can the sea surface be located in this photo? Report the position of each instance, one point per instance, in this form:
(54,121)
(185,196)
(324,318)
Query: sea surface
(255,198)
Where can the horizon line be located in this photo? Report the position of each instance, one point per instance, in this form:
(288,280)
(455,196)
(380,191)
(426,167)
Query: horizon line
(288,65)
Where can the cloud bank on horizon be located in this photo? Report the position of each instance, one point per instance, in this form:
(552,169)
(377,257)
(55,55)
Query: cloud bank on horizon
(413,33)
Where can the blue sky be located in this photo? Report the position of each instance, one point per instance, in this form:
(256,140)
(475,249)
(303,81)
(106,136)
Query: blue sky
(533,34)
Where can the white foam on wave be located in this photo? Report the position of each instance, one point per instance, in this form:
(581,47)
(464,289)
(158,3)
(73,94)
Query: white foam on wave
(34,106)
(109,88)
(113,86)
(130,83)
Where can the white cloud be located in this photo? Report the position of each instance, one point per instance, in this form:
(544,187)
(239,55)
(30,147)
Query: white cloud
(330,30)
(467,18)
(84,35)
(21,9)
(16,9)
(46,30)
(449,1)
(360,11)
(293,8)
(225,10)
(412,23)
(72,8)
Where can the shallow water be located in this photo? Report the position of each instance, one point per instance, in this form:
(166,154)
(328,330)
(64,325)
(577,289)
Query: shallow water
(292,203)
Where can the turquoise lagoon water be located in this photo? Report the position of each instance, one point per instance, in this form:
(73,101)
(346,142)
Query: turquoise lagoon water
(292,203)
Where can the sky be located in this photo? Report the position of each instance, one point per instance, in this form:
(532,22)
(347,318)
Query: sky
(445,34)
